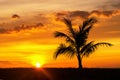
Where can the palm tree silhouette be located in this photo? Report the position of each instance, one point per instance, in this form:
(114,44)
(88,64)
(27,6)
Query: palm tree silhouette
(76,41)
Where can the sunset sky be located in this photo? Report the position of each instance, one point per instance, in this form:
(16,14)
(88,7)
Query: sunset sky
(27,27)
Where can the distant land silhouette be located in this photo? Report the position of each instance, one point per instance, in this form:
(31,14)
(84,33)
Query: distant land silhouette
(59,74)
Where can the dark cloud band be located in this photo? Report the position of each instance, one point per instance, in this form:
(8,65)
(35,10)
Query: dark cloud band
(20,28)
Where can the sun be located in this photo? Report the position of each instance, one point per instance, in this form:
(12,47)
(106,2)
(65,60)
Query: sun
(38,65)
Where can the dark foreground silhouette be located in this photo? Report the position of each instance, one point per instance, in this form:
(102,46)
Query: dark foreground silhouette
(59,74)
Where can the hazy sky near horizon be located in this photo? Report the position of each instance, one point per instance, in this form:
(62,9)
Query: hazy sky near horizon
(27,27)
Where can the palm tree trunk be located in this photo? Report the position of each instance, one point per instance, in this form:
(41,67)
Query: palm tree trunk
(79,62)
(79,59)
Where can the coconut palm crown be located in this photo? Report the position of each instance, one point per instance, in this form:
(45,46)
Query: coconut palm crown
(76,41)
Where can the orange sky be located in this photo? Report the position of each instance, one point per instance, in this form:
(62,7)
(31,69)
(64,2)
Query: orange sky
(27,27)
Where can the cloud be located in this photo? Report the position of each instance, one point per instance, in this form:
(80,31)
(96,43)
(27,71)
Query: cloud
(53,19)
(2,31)
(27,27)
(86,14)
(110,5)
(71,14)
(20,28)
(82,14)
(105,14)
(117,5)
(15,16)
(38,24)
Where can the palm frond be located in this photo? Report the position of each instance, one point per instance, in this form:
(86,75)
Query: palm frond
(82,34)
(92,47)
(63,49)
(69,25)
(87,30)
(89,21)
(85,47)
(103,44)
(60,34)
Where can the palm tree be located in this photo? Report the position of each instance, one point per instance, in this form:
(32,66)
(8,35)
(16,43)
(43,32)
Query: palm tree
(76,41)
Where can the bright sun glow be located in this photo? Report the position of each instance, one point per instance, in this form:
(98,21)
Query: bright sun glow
(36,60)
(38,65)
